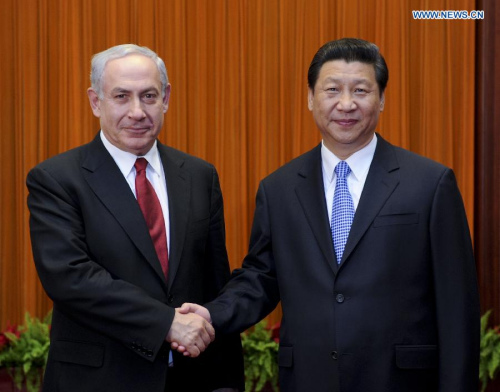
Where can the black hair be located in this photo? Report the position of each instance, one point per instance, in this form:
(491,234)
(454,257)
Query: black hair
(349,50)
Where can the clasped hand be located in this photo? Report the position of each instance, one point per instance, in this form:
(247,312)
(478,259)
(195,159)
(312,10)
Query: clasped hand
(191,331)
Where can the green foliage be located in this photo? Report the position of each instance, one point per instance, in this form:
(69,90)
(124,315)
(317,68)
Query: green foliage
(260,352)
(25,355)
(490,351)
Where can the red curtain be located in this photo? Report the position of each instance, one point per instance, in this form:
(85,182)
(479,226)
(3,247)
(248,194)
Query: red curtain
(239,94)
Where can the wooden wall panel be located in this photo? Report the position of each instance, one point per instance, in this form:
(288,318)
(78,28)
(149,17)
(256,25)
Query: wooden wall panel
(487,183)
(487,163)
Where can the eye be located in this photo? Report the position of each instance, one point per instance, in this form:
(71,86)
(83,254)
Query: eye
(332,89)
(150,97)
(120,98)
(360,90)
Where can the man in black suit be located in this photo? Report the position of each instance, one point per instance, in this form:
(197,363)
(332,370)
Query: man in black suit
(366,245)
(115,278)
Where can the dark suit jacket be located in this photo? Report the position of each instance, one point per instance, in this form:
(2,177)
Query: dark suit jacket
(400,313)
(97,262)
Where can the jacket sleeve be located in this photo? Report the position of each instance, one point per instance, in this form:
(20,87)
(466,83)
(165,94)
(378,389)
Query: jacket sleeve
(455,282)
(252,292)
(225,353)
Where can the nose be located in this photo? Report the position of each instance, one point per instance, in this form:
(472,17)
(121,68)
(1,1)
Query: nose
(136,110)
(346,102)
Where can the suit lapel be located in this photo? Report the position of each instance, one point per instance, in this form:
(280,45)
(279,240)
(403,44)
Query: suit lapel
(107,182)
(179,198)
(311,195)
(382,180)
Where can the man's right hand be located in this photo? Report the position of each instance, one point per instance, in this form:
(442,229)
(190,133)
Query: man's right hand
(191,332)
(196,309)
(189,308)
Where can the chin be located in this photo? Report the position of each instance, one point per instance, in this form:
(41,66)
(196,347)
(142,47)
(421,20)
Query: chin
(344,137)
(138,148)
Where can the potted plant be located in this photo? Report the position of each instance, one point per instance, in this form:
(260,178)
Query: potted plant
(489,361)
(24,351)
(260,353)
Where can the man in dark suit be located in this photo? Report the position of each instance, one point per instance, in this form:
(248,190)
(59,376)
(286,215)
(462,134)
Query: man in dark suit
(366,245)
(115,271)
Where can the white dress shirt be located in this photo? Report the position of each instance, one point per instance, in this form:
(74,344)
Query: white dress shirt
(359,162)
(154,173)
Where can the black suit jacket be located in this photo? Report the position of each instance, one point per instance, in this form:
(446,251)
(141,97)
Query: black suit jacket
(400,313)
(97,262)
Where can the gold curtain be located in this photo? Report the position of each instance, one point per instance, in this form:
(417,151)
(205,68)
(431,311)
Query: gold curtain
(238,72)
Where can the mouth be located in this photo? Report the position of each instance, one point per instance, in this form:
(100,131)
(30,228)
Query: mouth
(348,122)
(137,130)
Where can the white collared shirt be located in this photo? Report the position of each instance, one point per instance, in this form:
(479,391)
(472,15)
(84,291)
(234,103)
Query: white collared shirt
(154,173)
(359,162)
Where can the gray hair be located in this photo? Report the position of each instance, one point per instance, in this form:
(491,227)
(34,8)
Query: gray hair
(99,61)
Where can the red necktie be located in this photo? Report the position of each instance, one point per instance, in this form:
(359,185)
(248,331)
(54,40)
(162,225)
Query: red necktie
(151,209)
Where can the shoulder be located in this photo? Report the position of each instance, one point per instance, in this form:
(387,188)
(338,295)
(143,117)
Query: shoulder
(187,165)
(60,174)
(421,172)
(183,158)
(64,162)
(301,165)
(413,159)
(408,162)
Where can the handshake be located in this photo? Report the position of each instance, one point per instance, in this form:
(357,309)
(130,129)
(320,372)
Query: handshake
(191,331)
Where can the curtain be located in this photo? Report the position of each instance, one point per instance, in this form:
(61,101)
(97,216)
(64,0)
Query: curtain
(238,70)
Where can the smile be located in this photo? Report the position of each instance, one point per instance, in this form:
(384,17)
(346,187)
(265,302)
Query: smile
(137,130)
(346,122)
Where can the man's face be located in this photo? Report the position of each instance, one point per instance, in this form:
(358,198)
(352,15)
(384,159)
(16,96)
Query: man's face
(345,104)
(132,108)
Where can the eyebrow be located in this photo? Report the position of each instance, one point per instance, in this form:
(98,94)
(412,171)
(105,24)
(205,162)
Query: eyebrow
(124,90)
(355,81)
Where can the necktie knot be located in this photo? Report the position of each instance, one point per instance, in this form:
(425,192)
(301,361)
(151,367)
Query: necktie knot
(140,164)
(342,169)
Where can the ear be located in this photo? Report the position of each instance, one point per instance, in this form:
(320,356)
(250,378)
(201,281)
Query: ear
(310,98)
(95,102)
(166,97)
(382,102)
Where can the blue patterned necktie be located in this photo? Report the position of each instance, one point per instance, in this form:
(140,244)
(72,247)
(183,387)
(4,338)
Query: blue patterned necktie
(342,210)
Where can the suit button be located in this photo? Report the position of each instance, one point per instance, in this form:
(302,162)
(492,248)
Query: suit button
(340,298)
(170,299)
(149,353)
(335,355)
